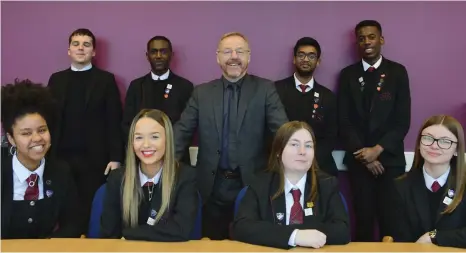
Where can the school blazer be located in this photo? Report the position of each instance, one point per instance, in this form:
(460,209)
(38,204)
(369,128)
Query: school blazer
(390,116)
(176,224)
(412,213)
(63,219)
(256,221)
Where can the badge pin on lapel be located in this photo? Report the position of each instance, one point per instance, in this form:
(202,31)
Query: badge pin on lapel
(310,204)
(280,216)
(48,182)
(49,193)
(451,193)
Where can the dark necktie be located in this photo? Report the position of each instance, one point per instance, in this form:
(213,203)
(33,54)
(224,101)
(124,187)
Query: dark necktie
(32,190)
(435,186)
(303,88)
(296,214)
(229,112)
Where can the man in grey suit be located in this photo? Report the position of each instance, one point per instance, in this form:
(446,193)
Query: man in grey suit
(230,115)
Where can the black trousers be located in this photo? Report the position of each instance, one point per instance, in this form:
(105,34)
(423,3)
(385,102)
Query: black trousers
(371,197)
(218,211)
(88,177)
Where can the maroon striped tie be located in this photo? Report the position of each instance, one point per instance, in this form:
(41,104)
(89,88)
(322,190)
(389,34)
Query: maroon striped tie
(32,190)
(296,215)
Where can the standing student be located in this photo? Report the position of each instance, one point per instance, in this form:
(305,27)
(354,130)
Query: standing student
(153,198)
(160,89)
(231,115)
(430,204)
(39,196)
(374,117)
(293,203)
(306,100)
(87,133)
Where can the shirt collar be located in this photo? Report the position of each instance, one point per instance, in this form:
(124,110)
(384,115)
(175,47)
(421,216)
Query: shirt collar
(366,65)
(23,173)
(442,180)
(144,179)
(162,77)
(301,185)
(87,67)
(297,82)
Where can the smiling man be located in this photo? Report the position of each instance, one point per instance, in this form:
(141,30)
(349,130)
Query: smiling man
(160,89)
(374,117)
(87,133)
(231,115)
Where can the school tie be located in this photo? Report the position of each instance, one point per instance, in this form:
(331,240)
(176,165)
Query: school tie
(296,214)
(370,69)
(32,190)
(303,88)
(435,186)
(148,183)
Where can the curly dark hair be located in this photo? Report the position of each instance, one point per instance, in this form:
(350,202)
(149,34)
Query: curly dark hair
(25,97)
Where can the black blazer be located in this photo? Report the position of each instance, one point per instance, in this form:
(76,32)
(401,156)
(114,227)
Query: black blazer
(256,221)
(64,207)
(137,99)
(412,217)
(103,116)
(259,107)
(389,118)
(176,224)
(325,124)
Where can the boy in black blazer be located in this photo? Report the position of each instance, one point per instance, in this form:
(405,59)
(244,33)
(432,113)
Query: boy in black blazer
(374,106)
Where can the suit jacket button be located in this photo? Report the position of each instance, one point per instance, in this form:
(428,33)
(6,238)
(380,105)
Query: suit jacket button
(218,152)
(213,173)
(32,203)
(30,220)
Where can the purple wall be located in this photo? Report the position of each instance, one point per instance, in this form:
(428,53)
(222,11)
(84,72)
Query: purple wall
(35,39)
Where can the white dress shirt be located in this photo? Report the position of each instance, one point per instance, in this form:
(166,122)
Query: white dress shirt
(162,77)
(88,67)
(442,180)
(21,173)
(144,179)
(376,65)
(309,85)
(301,185)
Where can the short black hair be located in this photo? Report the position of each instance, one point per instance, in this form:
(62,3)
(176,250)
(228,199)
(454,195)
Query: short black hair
(307,41)
(365,23)
(83,32)
(22,98)
(158,37)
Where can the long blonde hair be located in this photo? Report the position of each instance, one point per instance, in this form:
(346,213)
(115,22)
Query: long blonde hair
(132,192)
(275,163)
(457,163)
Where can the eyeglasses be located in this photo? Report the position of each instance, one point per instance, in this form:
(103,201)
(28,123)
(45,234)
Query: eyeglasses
(442,143)
(229,52)
(302,56)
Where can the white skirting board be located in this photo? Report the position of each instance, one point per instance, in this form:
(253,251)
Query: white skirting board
(337,155)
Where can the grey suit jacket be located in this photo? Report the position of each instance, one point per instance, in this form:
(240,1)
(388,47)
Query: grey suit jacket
(259,106)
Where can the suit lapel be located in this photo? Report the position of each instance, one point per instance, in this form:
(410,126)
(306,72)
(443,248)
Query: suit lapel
(7,192)
(309,219)
(92,84)
(278,204)
(247,92)
(377,113)
(355,87)
(51,186)
(421,199)
(217,105)
(442,206)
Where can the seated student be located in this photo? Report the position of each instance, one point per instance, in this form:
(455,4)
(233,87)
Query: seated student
(293,203)
(39,198)
(429,203)
(153,198)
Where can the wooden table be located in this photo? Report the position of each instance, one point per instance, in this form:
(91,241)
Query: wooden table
(104,245)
